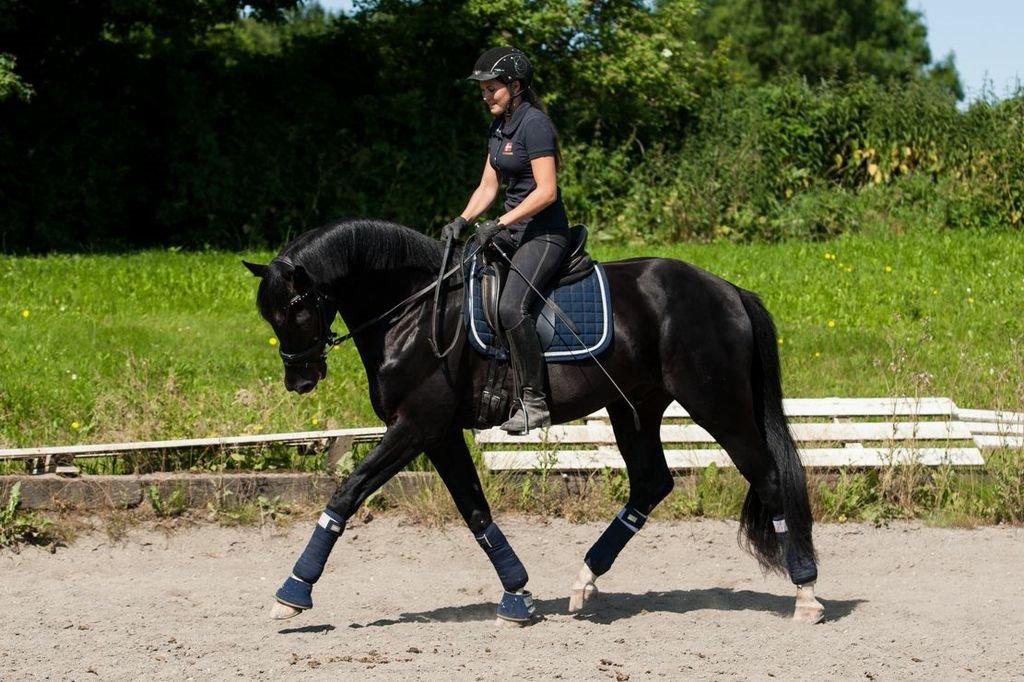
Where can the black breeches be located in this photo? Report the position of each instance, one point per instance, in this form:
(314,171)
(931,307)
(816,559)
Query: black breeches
(538,258)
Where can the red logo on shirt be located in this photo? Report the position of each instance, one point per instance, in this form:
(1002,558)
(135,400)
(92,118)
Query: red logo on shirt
(507,149)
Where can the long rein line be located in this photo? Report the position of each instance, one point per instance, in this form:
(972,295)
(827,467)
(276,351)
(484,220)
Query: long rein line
(335,340)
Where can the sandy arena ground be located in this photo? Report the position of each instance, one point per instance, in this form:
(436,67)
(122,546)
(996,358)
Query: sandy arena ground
(401,601)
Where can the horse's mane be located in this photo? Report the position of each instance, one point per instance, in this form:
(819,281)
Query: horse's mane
(351,247)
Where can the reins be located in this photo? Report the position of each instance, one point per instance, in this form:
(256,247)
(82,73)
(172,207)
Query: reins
(338,340)
(328,339)
(437,318)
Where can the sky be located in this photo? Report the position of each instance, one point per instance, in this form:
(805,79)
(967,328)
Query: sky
(987,37)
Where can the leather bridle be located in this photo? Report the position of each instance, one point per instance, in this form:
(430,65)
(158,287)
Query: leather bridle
(327,339)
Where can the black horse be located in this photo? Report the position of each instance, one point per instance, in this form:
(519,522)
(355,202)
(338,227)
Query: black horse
(680,333)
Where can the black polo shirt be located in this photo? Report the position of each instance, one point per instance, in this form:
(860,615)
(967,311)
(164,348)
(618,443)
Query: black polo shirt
(527,135)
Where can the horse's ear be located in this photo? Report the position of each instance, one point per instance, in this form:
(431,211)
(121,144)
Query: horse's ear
(256,268)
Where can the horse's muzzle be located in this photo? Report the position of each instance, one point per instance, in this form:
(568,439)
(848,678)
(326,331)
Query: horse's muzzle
(304,380)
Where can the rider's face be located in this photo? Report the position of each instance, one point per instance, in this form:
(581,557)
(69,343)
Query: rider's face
(496,95)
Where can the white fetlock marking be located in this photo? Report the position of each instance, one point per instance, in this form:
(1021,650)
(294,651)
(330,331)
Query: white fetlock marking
(583,589)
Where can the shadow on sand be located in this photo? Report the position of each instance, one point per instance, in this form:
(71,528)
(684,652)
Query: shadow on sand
(608,607)
(306,628)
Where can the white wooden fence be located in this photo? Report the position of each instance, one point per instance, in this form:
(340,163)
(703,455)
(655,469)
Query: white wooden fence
(60,459)
(829,432)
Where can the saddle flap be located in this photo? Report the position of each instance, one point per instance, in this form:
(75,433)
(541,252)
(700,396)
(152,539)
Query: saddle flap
(490,278)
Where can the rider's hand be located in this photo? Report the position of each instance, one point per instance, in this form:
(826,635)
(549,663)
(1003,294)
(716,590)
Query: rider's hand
(486,230)
(454,228)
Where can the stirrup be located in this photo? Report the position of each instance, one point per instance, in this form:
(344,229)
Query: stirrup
(520,423)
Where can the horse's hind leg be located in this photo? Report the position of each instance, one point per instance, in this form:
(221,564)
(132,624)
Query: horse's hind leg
(649,483)
(730,418)
(455,466)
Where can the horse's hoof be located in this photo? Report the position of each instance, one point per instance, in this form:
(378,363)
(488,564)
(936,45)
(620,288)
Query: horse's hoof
(582,589)
(283,611)
(579,596)
(504,623)
(808,609)
(809,613)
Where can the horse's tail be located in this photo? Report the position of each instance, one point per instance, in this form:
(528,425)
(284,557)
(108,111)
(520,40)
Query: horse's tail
(755,519)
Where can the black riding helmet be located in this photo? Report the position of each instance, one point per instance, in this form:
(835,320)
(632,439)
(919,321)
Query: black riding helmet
(505,64)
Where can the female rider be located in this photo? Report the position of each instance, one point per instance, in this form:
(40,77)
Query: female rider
(523,153)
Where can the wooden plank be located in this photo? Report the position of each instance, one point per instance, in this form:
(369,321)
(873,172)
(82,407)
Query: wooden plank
(601,433)
(843,407)
(584,460)
(990,416)
(984,441)
(364,434)
(877,457)
(1000,428)
(868,407)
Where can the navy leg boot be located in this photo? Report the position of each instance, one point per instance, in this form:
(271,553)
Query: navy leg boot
(802,569)
(516,603)
(297,590)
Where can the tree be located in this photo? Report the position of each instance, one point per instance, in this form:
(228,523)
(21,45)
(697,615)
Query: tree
(819,39)
(11,85)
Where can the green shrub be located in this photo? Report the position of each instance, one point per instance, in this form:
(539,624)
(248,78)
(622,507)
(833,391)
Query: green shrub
(174,505)
(788,160)
(17,526)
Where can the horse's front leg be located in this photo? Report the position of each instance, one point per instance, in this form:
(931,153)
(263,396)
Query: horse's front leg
(455,466)
(400,444)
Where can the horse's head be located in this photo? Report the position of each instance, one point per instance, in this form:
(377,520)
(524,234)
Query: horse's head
(301,317)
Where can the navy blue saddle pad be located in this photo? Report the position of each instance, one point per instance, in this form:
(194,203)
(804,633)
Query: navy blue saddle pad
(586,302)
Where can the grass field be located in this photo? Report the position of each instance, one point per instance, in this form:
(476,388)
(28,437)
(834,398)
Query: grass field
(100,348)
(168,344)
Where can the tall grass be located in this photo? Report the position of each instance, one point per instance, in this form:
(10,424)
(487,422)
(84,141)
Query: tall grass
(945,496)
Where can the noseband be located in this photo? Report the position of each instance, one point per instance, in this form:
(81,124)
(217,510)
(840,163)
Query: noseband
(325,338)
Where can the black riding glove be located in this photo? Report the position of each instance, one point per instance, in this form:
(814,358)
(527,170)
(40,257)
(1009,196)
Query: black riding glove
(454,228)
(486,230)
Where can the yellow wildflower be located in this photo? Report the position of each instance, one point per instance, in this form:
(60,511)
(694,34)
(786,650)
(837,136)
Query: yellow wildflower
(314,421)
(831,323)
(272,341)
(75,425)
(888,268)
(781,341)
(25,313)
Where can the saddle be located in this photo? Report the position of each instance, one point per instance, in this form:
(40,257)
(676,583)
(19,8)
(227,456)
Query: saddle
(574,323)
(575,319)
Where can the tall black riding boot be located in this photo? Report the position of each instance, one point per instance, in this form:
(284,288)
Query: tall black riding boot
(528,357)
